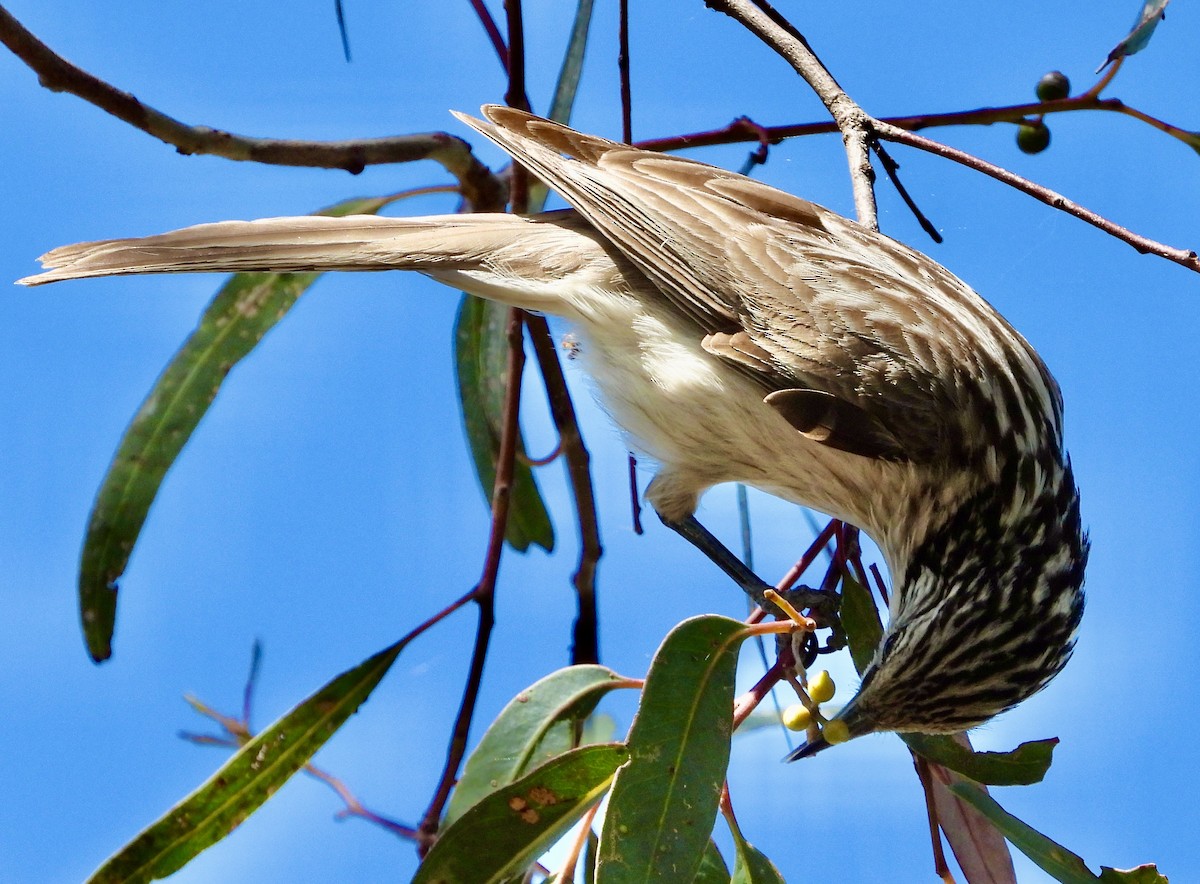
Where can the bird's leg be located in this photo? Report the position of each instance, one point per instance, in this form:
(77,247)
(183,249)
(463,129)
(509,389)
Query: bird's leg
(753,585)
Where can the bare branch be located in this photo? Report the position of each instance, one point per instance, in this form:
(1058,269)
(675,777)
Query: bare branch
(484,593)
(1184,257)
(59,75)
(854,123)
(745,130)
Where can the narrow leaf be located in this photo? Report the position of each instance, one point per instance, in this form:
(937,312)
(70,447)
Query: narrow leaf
(980,849)
(1053,859)
(664,801)
(751,865)
(508,830)
(712,867)
(246,308)
(1023,766)
(481,357)
(572,66)
(1191,139)
(247,779)
(510,745)
(1152,12)
(1147,874)
(861,621)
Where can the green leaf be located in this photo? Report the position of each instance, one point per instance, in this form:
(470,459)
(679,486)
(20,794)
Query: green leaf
(980,849)
(861,621)
(712,867)
(664,801)
(751,865)
(481,357)
(1147,874)
(511,743)
(1151,13)
(247,779)
(1053,859)
(246,308)
(1023,766)
(512,827)
(572,67)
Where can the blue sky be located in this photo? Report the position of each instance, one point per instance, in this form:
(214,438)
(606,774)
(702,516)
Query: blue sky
(327,503)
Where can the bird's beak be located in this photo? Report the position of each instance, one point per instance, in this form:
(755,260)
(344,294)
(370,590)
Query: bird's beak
(856,724)
(808,749)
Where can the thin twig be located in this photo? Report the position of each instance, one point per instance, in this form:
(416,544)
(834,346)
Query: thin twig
(810,555)
(1184,257)
(585,645)
(566,873)
(748,702)
(892,168)
(854,123)
(492,31)
(738,132)
(623,71)
(251,682)
(635,499)
(515,94)
(484,592)
(355,808)
(59,75)
(940,867)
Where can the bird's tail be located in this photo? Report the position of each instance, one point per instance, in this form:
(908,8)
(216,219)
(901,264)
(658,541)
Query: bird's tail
(485,253)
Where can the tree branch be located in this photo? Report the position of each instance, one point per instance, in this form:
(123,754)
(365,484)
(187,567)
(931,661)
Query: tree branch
(1184,257)
(59,75)
(853,122)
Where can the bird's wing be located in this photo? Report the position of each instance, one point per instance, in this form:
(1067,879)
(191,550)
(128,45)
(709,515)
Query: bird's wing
(794,294)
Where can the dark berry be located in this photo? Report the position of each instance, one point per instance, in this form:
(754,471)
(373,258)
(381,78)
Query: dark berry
(1033,139)
(1053,86)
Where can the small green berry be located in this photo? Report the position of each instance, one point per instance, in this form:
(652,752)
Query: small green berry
(836,731)
(796,717)
(1033,139)
(821,687)
(1053,86)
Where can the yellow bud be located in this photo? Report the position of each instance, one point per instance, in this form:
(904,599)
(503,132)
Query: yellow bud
(836,731)
(821,687)
(796,717)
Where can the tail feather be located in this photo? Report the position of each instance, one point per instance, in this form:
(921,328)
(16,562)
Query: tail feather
(356,242)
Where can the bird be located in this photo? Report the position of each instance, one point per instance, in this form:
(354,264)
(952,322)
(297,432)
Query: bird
(738,333)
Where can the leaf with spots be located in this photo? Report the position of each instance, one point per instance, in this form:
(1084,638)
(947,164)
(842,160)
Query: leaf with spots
(517,739)
(664,800)
(247,779)
(507,831)
(247,307)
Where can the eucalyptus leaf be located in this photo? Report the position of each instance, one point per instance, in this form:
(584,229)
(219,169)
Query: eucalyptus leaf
(1147,874)
(1023,766)
(712,867)
(247,307)
(246,780)
(512,742)
(664,801)
(751,865)
(1151,13)
(1052,858)
(860,619)
(481,358)
(507,831)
